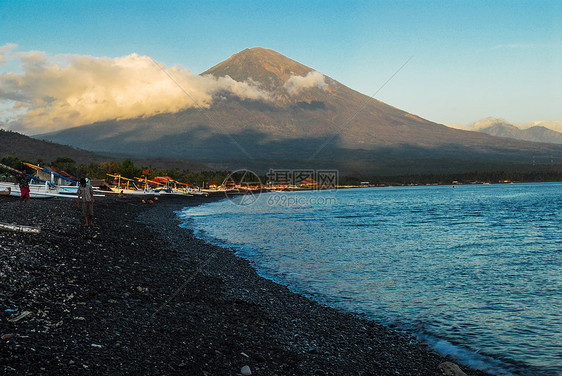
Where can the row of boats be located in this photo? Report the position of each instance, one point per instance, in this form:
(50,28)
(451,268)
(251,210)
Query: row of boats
(47,182)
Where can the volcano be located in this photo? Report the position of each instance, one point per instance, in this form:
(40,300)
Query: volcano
(308,121)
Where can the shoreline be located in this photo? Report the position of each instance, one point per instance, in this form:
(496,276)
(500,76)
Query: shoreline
(137,294)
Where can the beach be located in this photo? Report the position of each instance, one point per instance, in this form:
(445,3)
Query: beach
(136,294)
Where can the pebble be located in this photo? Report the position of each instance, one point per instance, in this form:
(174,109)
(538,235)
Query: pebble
(246,371)
(22,315)
(451,369)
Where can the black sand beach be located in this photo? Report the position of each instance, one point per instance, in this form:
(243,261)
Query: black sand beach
(137,295)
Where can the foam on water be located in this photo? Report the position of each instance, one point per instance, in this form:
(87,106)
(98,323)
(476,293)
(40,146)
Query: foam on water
(466,356)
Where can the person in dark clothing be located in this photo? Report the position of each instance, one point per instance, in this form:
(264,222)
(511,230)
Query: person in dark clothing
(86,192)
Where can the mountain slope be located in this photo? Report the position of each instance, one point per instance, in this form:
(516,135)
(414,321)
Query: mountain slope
(312,121)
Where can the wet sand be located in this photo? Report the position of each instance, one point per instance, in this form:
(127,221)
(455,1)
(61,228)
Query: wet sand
(138,295)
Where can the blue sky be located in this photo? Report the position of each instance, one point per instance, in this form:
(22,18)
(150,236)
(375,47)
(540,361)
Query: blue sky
(470,59)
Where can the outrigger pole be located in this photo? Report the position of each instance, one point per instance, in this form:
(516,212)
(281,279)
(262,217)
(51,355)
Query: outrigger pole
(49,172)
(21,172)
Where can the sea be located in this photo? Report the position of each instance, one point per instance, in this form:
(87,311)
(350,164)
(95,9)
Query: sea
(474,271)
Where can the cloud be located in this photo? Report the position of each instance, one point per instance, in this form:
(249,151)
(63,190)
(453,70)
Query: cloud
(479,124)
(458,126)
(296,84)
(5,51)
(512,46)
(488,122)
(69,90)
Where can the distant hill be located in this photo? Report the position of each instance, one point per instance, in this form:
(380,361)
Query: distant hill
(501,128)
(13,144)
(313,122)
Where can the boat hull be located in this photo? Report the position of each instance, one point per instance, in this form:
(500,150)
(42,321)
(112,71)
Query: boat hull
(35,190)
(41,190)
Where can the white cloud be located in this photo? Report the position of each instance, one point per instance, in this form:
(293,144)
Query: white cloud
(69,90)
(487,122)
(479,124)
(512,46)
(458,126)
(296,84)
(5,52)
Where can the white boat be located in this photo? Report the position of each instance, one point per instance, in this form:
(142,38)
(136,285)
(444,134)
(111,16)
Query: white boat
(197,192)
(181,192)
(166,186)
(65,185)
(42,190)
(129,187)
(35,190)
(68,190)
(167,191)
(46,189)
(131,192)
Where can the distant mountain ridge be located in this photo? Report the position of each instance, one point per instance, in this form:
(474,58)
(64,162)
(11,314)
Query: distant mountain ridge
(311,121)
(553,125)
(502,128)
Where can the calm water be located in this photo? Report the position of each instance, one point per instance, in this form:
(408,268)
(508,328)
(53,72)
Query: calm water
(476,270)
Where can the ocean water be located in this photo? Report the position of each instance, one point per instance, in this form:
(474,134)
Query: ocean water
(475,270)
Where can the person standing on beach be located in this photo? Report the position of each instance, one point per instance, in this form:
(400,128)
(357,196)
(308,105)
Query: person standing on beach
(23,182)
(87,193)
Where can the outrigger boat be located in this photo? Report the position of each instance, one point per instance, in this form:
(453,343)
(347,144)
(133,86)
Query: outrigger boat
(44,190)
(165,185)
(169,186)
(157,187)
(129,187)
(62,189)
(179,188)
